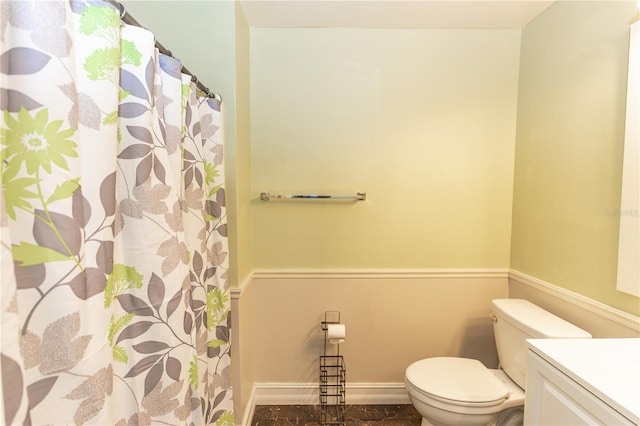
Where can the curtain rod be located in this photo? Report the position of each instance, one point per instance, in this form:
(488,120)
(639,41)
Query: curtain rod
(129,20)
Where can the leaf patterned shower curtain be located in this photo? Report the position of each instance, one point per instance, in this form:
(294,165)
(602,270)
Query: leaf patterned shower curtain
(114,303)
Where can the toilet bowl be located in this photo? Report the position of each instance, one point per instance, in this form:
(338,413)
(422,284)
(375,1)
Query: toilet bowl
(460,391)
(449,391)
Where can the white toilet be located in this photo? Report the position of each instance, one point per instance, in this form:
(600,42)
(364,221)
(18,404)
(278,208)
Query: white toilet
(463,392)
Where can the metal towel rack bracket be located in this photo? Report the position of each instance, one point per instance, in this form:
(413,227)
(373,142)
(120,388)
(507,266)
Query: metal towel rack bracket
(360,196)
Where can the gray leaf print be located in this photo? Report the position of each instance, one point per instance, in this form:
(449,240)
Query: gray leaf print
(153,378)
(131,208)
(173,304)
(108,194)
(152,198)
(130,82)
(143,365)
(155,291)
(158,169)
(208,128)
(104,257)
(131,110)
(20,14)
(174,219)
(135,151)
(11,379)
(150,72)
(65,226)
(5,12)
(173,138)
(29,276)
(88,112)
(81,209)
(69,90)
(134,305)
(100,384)
(73,115)
(88,409)
(143,171)
(172,251)
(173,368)
(53,40)
(160,401)
(30,349)
(134,330)
(221,197)
(37,391)
(48,29)
(150,347)
(140,133)
(23,60)
(13,100)
(218,157)
(88,283)
(61,349)
(170,65)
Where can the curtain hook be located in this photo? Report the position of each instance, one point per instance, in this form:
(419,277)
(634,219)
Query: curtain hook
(121,8)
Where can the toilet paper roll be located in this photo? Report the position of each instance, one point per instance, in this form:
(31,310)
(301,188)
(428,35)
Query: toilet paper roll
(336,333)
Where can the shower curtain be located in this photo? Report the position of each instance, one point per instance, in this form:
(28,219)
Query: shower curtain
(115,304)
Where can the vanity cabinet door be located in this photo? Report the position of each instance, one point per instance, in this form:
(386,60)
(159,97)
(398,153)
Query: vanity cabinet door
(554,399)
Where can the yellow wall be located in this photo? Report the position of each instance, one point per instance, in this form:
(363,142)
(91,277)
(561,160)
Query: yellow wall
(422,120)
(244,221)
(571,113)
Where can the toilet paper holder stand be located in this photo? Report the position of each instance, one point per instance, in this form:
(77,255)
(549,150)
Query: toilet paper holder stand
(332,377)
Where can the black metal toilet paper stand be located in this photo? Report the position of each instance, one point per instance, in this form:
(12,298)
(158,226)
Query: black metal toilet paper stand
(332,377)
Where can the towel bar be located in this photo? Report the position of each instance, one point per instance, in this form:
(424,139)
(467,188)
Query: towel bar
(360,196)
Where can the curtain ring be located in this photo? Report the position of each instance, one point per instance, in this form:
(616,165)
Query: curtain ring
(123,11)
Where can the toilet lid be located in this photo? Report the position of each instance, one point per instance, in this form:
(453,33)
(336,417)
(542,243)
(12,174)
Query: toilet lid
(460,380)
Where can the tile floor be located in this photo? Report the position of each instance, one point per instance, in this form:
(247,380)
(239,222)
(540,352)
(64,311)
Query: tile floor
(355,415)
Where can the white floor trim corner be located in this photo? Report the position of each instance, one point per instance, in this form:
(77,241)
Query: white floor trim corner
(247,416)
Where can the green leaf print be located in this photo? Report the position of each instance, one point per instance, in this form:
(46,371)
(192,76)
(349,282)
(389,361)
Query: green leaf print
(111,118)
(120,355)
(122,95)
(226,419)
(193,373)
(116,325)
(64,190)
(103,64)
(211,173)
(216,343)
(16,193)
(36,141)
(95,18)
(121,279)
(130,53)
(28,254)
(216,300)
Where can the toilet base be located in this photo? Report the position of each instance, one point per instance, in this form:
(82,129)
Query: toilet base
(509,417)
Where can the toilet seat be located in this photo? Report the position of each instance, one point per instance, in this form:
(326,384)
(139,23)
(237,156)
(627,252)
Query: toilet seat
(456,381)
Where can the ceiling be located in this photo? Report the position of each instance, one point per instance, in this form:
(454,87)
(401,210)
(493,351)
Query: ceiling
(430,14)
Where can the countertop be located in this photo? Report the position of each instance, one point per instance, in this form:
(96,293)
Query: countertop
(608,368)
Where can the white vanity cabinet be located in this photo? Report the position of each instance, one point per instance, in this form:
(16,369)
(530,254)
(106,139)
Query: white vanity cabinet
(574,382)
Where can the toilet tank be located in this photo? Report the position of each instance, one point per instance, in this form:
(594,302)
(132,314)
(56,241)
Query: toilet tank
(514,321)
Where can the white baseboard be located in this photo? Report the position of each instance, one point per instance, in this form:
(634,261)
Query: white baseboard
(308,393)
(247,416)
